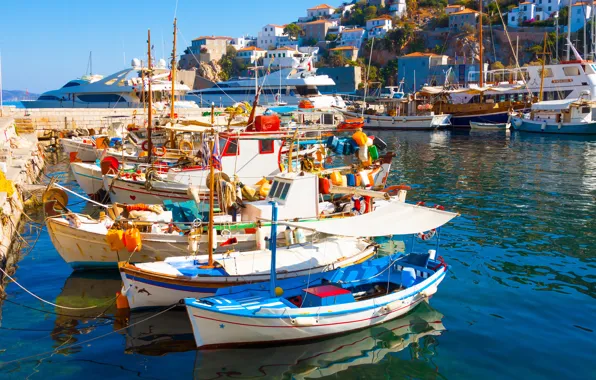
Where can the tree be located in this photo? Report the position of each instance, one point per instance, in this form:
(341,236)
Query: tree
(370,12)
(293,30)
(310,42)
(331,37)
(337,60)
(389,73)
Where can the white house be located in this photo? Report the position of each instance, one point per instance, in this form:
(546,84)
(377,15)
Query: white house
(545,8)
(383,22)
(580,13)
(527,11)
(281,57)
(352,37)
(513,18)
(398,8)
(251,54)
(453,8)
(242,42)
(286,41)
(268,36)
(322,10)
(377,32)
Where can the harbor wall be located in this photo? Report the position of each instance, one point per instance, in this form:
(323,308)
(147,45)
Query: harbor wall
(45,120)
(21,163)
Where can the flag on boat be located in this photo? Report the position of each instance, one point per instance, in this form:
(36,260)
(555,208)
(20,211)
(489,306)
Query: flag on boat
(216,154)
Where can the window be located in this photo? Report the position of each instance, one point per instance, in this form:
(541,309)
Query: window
(101,98)
(284,191)
(549,9)
(48,97)
(230,147)
(266,146)
(513,18)
(71,84)
(571,71)
(585,109)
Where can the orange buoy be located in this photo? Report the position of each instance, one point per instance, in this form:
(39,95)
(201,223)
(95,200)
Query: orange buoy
(121,301)
(132,239)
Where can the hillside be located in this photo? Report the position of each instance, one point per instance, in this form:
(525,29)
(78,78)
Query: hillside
(16,95)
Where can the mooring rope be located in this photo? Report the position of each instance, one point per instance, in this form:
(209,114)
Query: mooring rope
(51,303)
(79,195)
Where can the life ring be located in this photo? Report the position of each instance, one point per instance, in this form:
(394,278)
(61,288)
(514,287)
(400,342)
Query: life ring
(159,151)
(185,146)
(145,145)
(357,205)
(427,235)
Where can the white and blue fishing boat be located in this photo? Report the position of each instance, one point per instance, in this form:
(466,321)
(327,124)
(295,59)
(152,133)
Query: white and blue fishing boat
(337,302)
(574,116)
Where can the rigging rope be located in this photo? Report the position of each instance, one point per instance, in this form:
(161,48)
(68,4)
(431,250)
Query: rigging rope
(51,303)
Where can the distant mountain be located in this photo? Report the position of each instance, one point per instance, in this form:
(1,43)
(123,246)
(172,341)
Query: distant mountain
(16,95)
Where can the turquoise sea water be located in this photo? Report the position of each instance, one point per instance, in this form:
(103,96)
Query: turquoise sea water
(16,104)
(519,301)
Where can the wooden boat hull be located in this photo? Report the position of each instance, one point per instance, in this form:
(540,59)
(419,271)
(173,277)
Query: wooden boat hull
(526,125)
(84,249)
(145,288)
(489,126)
(85,152)
(128,191)
(402,122)
(88,176)
(213,328)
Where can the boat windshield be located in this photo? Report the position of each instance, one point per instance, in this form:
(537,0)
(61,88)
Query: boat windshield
(306,90)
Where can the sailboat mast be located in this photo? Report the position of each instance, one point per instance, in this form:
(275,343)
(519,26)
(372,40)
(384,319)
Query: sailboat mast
(568,29)
(480,57)
(173,74)
(211,203)
(542,72)
(150,100)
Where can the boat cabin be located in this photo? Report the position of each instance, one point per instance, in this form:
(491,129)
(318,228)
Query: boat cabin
(297,196)
(564,111)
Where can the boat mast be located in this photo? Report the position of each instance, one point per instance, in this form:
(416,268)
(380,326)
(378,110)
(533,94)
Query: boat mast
(569,29)
(480,57)
(150,100)
(372,44)
(173,75)
(273,248)
(542,72)
(211,203)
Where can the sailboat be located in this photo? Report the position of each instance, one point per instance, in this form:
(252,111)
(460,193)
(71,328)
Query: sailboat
(343,300)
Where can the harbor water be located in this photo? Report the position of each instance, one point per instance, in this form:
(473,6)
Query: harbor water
(519,301)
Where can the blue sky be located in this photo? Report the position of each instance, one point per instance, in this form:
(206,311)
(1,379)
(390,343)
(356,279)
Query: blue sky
(45,43)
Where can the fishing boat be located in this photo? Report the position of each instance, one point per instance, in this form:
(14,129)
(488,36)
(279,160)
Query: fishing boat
(338,357)
(574,117)
(343,300)
(397,117)
(490,126)
(159,242)
(166,282)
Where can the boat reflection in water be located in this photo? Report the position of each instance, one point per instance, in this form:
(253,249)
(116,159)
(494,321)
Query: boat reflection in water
(83,290)
(415,331)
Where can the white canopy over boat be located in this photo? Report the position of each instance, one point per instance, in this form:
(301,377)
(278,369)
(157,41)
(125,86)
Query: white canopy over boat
(553,105)
(435,90)
(396,218)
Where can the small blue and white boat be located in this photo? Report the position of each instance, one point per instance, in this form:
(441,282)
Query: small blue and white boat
(568,116)
(337,302)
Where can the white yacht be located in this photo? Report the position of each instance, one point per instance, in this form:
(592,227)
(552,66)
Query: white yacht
(288,86)
(124,89)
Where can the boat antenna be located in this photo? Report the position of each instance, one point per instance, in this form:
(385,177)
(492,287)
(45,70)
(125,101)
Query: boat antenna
(372,44)
(273,248)
(150,100)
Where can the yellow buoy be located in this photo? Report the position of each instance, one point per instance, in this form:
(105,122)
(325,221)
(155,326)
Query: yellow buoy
(278,291)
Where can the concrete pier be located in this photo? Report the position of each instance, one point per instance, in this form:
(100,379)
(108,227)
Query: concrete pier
(21,162)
